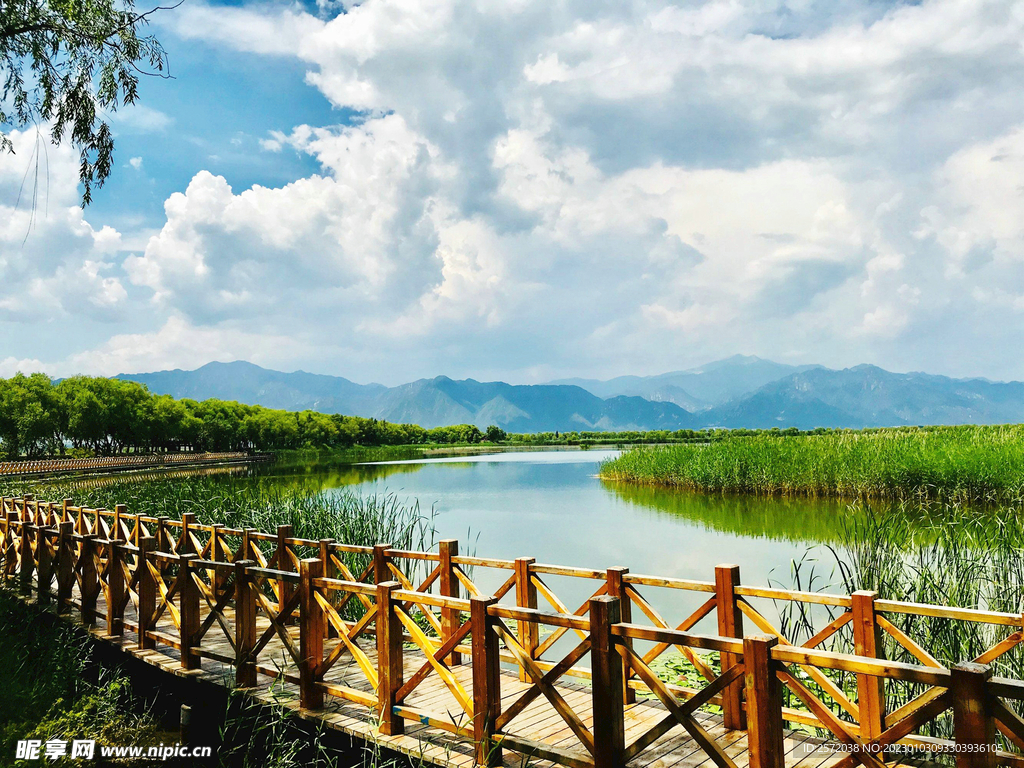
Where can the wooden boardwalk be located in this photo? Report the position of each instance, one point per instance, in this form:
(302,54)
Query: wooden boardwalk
(344,635)
(539,722)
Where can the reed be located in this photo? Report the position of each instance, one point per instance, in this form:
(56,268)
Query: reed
(54,689)
(959,464)
(961,558)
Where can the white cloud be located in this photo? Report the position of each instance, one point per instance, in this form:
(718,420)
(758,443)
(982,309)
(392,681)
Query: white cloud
(136,163)
(661,183)
(11,365)
(179,344)
(139,118)
(54,264)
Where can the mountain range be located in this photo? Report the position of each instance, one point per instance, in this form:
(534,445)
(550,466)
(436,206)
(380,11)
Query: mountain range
(740,391)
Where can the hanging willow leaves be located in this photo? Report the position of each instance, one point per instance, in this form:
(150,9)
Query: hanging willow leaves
(64,63)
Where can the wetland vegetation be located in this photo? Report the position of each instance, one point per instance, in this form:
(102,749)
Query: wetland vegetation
(972,464)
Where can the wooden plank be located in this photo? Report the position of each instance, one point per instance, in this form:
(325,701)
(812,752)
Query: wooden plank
(526,597)
(608,684)
(764,703)
(973,723)
(486,682)
(389,659)
(311,636)
(451,618)
(867,641)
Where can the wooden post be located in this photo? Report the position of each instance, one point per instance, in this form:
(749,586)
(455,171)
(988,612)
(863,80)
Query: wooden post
(330,572)
(217,555)
(381,572)
(606,691)
(115,588)
(65,513)
(90,586)
(867,641)
(450,617)
(245,626)
(188,606)
(120,510)
(730,624)
(245,548)
(65,565)
(486,681)
(764,703)
(526,597)
(163,543)
(8,545)
(284,563)
(147,592)
(188,522)
(162,539)
(389,659)
(973,724)
(44,569)
(27,562)
(311,635)
(617,588)
(11,552)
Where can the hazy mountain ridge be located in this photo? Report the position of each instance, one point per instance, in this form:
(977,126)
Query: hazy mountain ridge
(869,396)
(761,394)
(427,402)
(696,389)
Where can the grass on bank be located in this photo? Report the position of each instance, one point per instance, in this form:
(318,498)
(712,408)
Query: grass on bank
(964,464)
(54,690)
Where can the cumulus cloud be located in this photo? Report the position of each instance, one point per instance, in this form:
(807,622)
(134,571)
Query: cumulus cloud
(53,263)
(179,344)
(834,182)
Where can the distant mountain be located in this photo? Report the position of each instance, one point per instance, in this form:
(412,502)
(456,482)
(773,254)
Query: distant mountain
(251,384)
(696,389)
(427,402)
(868,396)
(737,392)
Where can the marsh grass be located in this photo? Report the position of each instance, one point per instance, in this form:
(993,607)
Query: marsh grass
(53,689)
(966,559)
(959,464)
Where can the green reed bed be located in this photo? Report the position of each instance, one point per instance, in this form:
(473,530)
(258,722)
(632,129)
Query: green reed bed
(965,558)
(341,514)
(348,517)
(970,463)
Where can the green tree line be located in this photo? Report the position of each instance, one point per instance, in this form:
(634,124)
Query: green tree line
(85,414)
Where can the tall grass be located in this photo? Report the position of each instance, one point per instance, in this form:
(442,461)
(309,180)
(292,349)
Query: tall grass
(348,517)
(262,503)
(963,559)
(963,464)
(53,689)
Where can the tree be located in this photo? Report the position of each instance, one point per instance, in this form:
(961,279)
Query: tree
(495,434)
(62,61)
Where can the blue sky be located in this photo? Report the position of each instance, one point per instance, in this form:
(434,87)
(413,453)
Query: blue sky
(391,189)
(212,113)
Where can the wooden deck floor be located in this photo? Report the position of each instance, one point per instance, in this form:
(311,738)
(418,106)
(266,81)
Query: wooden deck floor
(539,722)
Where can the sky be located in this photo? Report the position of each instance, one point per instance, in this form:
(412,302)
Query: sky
(527,190)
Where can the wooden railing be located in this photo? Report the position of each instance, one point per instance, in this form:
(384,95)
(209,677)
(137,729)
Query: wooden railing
(134,461)
(335,597)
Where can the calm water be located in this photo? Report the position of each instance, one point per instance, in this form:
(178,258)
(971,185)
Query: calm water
(552,506)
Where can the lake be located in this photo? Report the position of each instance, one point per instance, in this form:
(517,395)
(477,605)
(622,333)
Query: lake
(552,506)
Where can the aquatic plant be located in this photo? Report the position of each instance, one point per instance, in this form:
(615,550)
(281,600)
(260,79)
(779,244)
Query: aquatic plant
(965,464)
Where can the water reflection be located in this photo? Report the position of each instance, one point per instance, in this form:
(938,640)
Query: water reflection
(817,521)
